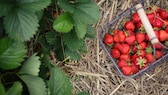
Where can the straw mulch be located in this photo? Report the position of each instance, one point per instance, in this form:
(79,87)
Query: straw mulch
(96,74)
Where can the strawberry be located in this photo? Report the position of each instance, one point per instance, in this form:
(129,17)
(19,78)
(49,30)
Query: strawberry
(166,28)
(141,52)
(150,16)
(157,23)
(158,46)
(163,13)
(125,57)
(108,39)
(140,26)
(129,25)
(114,32)
(129,32)
(134,58)
(163,35)
(125,48)
(117,46)
(130,39)
(121,36)
(142,45)
(159,54)
(135,17)
(134,68)
(149,57)
(115,53)
(140,37)
(141,61)
(127,70)
(121,63)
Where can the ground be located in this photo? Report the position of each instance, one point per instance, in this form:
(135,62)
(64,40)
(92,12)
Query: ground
(95,72)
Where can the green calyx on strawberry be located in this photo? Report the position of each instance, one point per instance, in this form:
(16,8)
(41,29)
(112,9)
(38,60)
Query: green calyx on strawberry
(141,61)
(149,49)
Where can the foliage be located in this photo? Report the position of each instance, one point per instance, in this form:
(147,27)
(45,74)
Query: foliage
(32,34)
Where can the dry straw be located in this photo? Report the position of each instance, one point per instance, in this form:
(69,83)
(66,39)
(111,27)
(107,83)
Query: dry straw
(95,73)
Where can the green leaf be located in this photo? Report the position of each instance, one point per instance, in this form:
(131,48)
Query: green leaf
(72,54)
(39,14)
(72,41)
(63,23)
(59,83)
(83,93)
(31,66)
(45,47)
(83,49)
(80,29)
(11,53)
(86,12)
(34,5)
(21,25)
(16,89)
(5,7)
(2,89)
(90,32)
(51,38)
(35,85)
(66,5)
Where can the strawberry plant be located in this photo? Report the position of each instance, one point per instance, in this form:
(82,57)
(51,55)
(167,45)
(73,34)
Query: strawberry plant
(35,32)
(130,46)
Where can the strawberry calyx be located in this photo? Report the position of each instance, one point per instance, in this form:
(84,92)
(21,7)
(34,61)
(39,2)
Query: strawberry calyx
(141,62)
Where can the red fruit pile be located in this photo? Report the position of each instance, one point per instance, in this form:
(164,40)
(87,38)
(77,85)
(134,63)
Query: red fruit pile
(131,46)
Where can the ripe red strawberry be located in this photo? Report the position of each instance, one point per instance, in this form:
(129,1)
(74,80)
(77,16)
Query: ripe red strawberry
(141,52)
(114,32)
(125,48)
(134,68)
(166,29)
(163,13)
(163,35)
(140,37)
(142,45)
(129,25)
(125,57)
(149,57)
(122,63)
(157,23)
(150,16)
(108,39)
(134,58)
(135,17)
(115,53)
(130,39)
(117,46)
(129,32)
(134,48)
(159,54)
(127,70)
(140,26)
(158,46)
(121,36)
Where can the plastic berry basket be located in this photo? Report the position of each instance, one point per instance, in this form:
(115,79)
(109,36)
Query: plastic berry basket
(117,23)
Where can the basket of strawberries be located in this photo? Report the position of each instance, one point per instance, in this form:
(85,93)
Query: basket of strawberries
(128,44)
